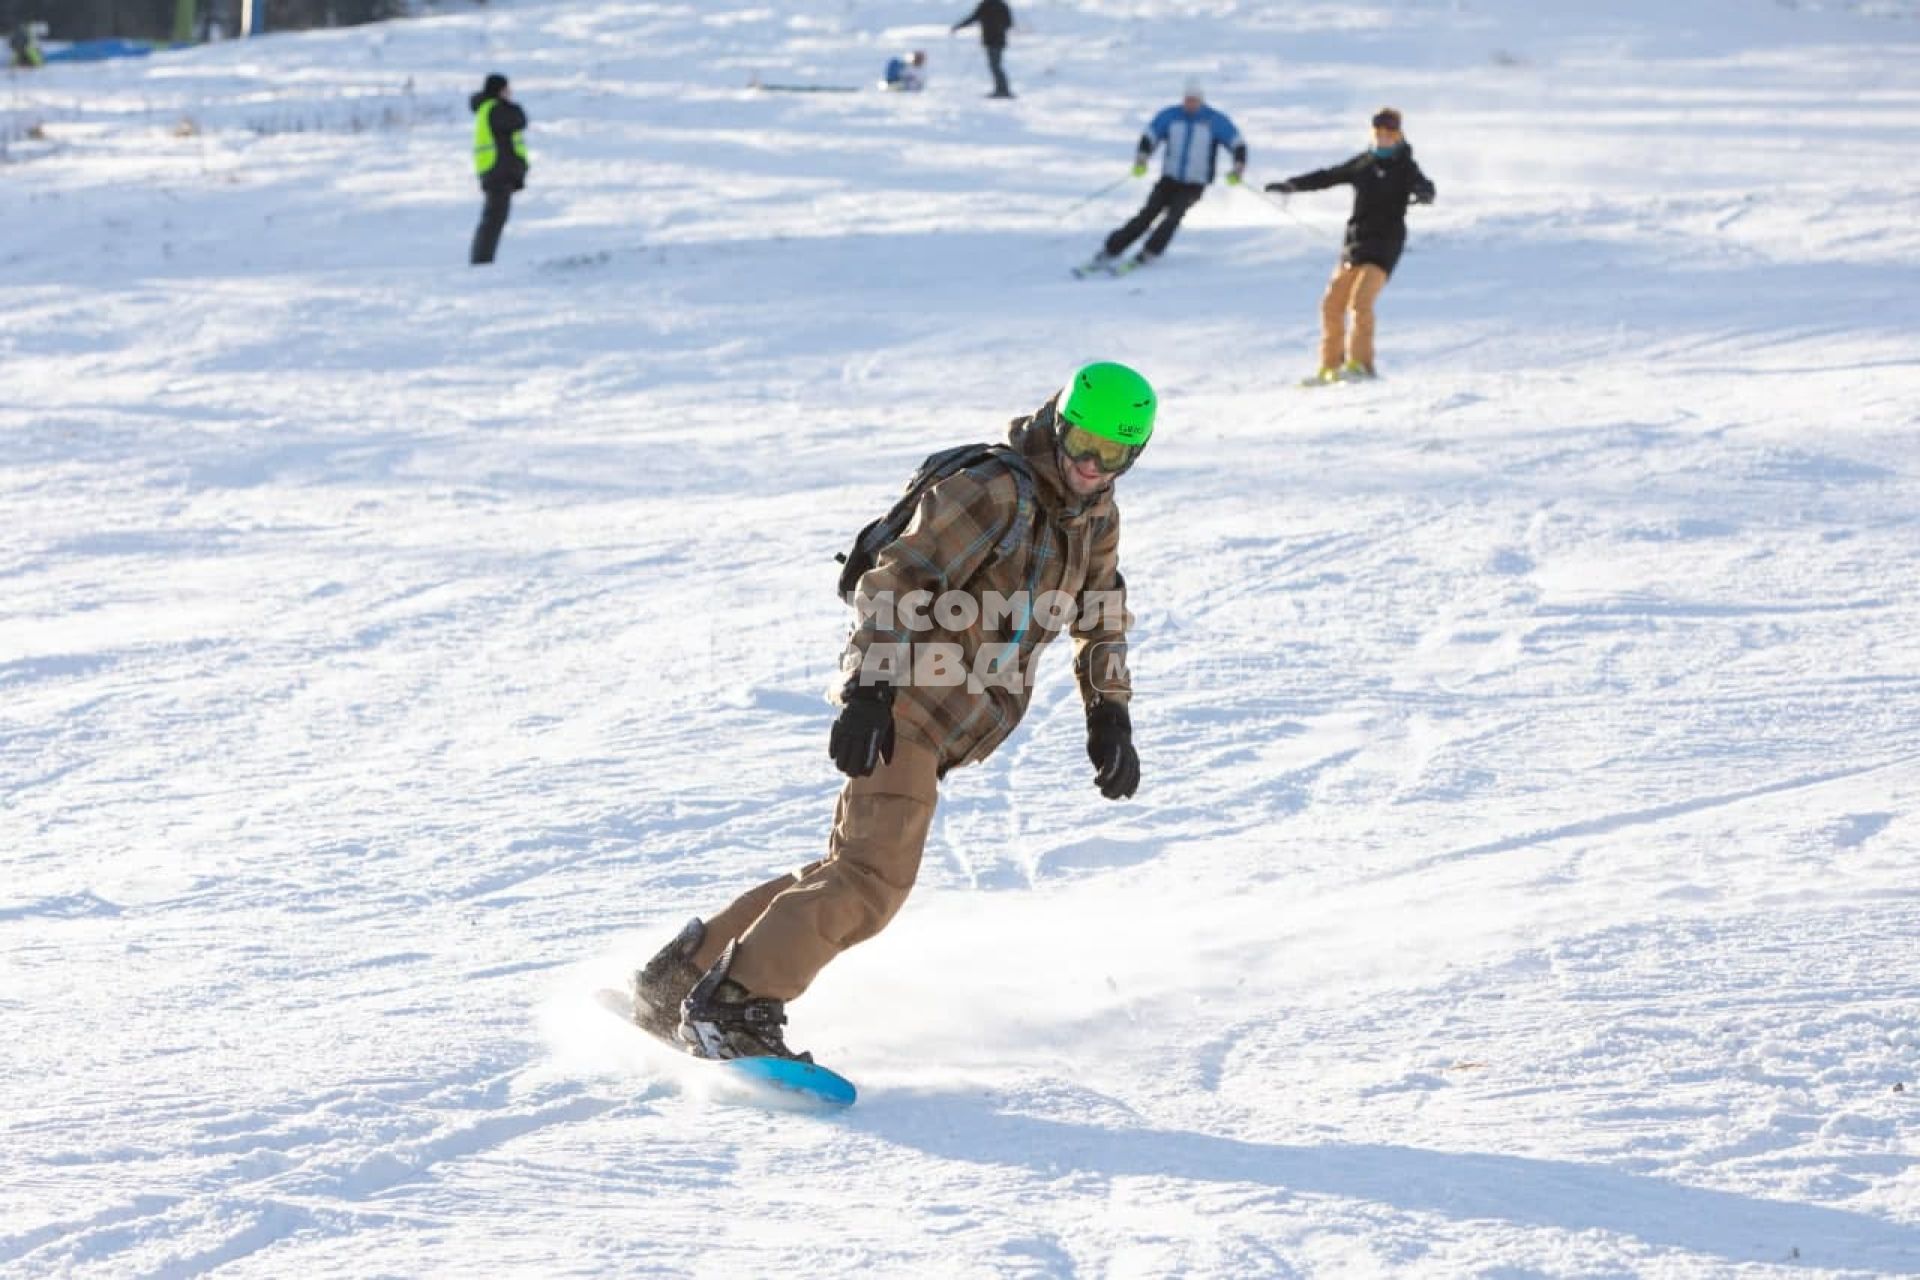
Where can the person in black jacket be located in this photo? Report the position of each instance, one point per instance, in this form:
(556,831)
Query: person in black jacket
(499,158)
(1385,180)
(995,20)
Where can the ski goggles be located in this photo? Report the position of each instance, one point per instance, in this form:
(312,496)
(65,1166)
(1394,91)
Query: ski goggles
(1110,456)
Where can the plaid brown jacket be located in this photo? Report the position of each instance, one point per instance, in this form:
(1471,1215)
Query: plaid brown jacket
(971,669)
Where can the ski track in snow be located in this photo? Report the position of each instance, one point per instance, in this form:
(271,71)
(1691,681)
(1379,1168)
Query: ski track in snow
(391,654)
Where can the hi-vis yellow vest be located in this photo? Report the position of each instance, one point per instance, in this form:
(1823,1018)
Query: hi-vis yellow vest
(485,152)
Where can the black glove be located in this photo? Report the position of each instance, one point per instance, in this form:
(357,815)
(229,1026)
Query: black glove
(863,735)
(1284,188)
(1110,746)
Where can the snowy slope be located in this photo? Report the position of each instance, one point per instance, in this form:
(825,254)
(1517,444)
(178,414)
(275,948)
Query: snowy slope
(1522,881)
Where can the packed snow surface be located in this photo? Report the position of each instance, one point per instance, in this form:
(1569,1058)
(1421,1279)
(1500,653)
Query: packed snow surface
(1523,879)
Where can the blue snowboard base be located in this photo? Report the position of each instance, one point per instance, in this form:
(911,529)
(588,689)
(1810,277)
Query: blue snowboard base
(781,1083)
(806,1081)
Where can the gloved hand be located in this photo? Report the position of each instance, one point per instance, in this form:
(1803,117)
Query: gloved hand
(1139,168)
(1283,188)
(863,734)
(1233,177)
(1110,746)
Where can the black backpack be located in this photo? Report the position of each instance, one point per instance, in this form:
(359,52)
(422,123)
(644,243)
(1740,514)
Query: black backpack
(877,534)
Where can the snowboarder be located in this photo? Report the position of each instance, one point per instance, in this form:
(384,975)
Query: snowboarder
(995,21)
(499,158)
(906,73)
(1385,180)
(1013,551)
(1192,133)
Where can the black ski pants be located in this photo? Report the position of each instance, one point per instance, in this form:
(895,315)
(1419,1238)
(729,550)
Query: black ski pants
(1170,198)
(493,219)
(994,52)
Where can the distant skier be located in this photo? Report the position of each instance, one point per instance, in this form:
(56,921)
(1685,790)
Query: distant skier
(995,21)
(906,73)
(26,47)
(499,158)
(1191,132)
(1385,181)
(1000,557)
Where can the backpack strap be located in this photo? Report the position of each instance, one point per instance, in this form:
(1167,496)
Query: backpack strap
(1024,505)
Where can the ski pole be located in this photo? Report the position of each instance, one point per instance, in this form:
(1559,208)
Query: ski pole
(1281,205)
(1092,196)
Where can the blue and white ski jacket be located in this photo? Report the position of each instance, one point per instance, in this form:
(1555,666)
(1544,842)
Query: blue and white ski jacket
(1191,141)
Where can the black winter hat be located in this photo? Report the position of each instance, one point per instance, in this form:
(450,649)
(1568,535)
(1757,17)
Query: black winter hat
(495,83)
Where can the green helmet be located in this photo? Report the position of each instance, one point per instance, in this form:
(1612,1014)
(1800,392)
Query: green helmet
(1110,401)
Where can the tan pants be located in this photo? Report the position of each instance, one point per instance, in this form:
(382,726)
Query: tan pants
(790,927)
(1353,288)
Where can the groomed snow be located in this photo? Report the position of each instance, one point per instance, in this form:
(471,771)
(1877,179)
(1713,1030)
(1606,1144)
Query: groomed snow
(391,653)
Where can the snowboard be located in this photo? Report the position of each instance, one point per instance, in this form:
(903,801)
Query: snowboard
(777,1083)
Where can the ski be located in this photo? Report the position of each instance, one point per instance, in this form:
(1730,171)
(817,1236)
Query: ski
(1330,375)
(755,82)
(1101,265)
(1338,379)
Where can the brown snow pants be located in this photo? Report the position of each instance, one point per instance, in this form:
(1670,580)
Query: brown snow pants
(790,927)
(1353,288)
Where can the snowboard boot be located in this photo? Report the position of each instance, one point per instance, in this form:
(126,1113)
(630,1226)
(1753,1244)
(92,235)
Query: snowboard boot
(722,1019)
(661,986)
(1354,371)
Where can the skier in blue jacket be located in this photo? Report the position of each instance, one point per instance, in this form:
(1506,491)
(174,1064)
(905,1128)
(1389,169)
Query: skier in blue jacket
(1192,133)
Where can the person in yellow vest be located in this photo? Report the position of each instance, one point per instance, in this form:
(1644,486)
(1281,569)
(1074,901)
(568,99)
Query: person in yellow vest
(26,49)
(499,158)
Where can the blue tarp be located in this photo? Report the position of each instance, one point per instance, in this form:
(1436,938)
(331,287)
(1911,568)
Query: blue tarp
(101,50)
